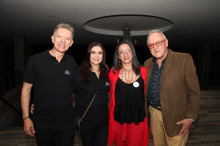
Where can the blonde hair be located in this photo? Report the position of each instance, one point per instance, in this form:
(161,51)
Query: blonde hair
(66,26)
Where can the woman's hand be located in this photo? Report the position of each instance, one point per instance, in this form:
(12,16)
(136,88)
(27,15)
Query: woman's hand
(32,109)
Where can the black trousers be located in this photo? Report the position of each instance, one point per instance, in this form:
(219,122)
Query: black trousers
(62,135)
(93,136)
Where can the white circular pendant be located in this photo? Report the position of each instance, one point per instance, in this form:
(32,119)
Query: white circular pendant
(136,84)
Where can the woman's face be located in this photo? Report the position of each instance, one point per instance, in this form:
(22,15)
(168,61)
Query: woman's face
(125,54)
(96,55)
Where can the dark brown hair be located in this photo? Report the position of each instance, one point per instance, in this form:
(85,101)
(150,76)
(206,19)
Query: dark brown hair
(135,63)
(86,66)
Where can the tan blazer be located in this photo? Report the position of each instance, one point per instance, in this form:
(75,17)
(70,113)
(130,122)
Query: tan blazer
(179,90)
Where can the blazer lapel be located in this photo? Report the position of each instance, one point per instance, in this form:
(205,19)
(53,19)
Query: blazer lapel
(168,64)
(149,70)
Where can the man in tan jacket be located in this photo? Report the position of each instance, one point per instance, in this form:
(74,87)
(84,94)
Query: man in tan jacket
(173,92)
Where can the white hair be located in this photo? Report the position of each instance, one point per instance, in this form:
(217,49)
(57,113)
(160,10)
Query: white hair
(156,31)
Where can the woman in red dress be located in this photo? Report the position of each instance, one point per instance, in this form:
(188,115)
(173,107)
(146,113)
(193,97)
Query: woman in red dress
(127,119)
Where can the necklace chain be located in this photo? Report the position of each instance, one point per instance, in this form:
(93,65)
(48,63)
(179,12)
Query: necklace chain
(127,76)
(127,69)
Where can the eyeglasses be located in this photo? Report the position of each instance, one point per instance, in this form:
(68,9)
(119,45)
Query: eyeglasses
(127,51)
(157,44)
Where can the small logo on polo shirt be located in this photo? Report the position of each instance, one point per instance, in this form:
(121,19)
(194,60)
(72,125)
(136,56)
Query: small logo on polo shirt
(67,72)
(107,84)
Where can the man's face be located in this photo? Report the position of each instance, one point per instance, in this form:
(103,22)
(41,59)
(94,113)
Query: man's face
(157,45)
(62,40)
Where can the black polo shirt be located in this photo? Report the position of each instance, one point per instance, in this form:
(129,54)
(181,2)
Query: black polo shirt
(53,86)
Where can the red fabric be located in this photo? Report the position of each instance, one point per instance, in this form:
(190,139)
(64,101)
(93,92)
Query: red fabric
(130,135)
(113,79)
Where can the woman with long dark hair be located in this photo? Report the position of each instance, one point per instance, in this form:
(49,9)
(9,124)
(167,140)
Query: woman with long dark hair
(93,80)
(127,119)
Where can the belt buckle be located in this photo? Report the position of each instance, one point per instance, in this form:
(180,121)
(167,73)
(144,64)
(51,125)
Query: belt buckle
(158,108)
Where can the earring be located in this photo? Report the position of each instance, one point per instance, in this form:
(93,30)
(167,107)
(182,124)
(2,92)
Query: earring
(119,61)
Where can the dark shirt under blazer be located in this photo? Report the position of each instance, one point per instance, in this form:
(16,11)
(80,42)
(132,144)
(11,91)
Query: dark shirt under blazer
(154,84)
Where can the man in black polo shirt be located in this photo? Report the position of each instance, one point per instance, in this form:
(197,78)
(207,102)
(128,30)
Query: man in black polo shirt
(54,75)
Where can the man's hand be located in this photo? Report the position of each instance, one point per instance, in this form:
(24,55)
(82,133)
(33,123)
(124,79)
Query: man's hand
(186,124)
(29,127)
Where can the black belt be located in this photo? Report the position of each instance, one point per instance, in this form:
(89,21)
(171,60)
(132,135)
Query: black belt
(158,108)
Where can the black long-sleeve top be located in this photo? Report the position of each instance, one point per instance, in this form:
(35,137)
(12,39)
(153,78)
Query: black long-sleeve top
(97,115)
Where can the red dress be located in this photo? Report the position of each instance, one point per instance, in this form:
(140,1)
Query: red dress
(113,79)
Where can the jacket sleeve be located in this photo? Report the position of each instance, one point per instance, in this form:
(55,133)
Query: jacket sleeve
(193,88)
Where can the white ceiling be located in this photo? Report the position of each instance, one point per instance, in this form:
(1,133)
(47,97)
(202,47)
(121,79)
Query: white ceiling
(195,21)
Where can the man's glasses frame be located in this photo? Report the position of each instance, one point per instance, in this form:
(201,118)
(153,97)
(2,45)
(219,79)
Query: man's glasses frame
(157,44)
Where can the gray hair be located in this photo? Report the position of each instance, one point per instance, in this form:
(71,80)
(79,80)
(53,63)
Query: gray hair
(157,31)
(66,26)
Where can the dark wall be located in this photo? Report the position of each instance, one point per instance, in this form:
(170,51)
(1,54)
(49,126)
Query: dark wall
(6,59)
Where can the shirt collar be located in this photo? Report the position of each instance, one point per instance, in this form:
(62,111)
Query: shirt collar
(48,56)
